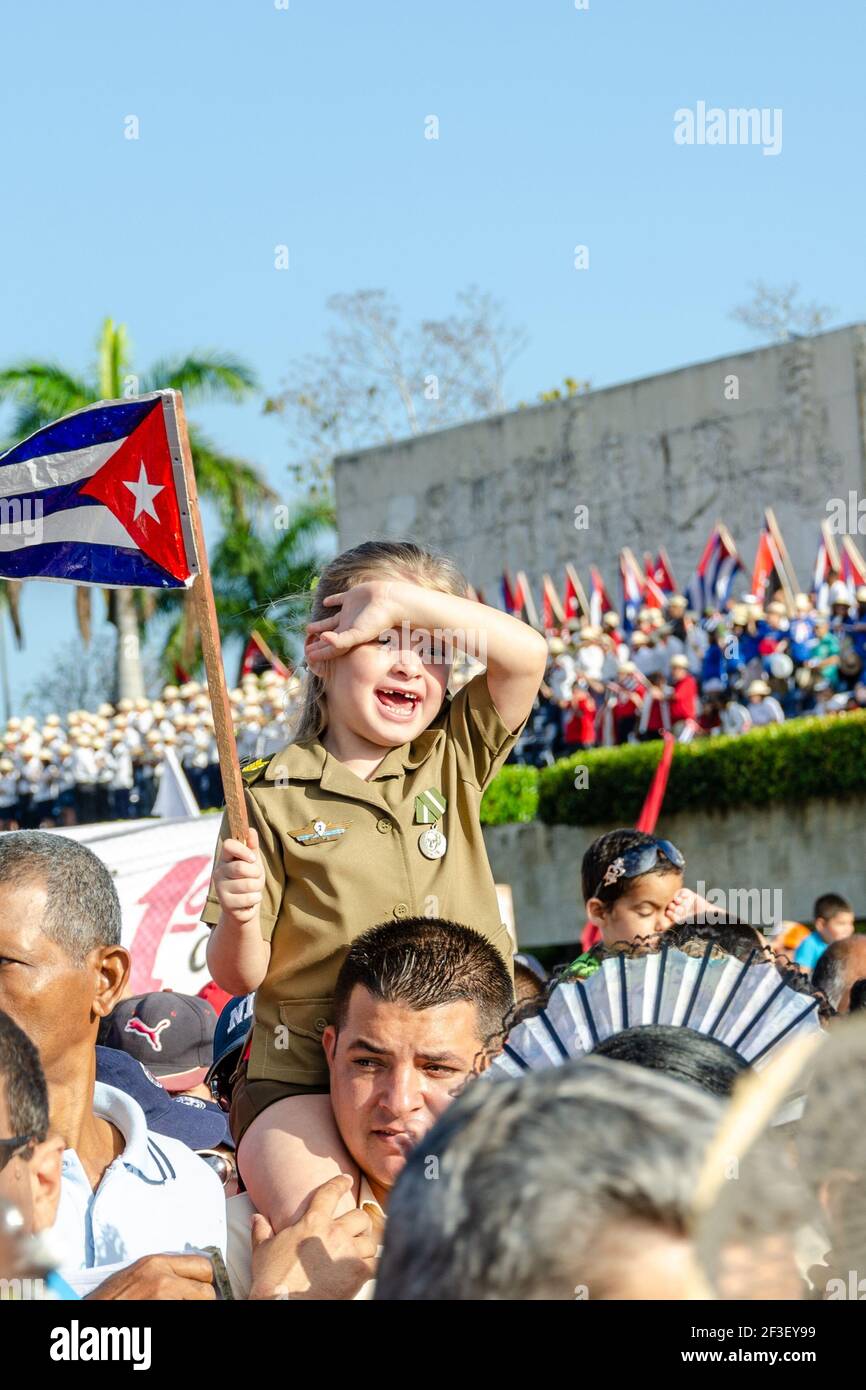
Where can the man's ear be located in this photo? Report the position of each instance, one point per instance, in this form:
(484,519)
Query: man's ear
(43,1169)
(329,1043)
(596,911)
(111,964)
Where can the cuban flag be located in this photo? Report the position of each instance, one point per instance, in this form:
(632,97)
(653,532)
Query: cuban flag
(716,573)
(100,497)
(599,602)
(632,583)
(827,566)
(853,564)
(661,573)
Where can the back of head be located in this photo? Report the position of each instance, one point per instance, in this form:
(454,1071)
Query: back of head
(539,1178)
(396,560)
(82,908)
(22,1082)
(681,1053)
(829,904)
(423,962)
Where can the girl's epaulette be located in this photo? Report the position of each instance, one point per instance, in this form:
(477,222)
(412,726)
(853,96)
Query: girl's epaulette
(251,772)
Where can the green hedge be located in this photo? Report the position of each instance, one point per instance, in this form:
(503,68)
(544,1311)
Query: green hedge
(790,762)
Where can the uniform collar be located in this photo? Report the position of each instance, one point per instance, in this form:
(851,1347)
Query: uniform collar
(308,762)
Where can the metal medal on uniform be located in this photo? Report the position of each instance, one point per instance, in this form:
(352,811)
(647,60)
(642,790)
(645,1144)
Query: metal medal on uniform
(429,808)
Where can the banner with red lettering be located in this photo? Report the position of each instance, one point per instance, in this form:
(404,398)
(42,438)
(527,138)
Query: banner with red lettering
(161,869)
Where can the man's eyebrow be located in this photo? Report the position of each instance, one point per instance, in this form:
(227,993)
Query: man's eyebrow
(366,1046)
(363,1045)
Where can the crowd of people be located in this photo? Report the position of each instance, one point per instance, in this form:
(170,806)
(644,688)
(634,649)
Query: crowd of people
(725,672)
(423,1016)
(107,765)
(355,1104)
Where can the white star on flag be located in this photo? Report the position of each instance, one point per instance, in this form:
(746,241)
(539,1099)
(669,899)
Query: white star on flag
(144,493)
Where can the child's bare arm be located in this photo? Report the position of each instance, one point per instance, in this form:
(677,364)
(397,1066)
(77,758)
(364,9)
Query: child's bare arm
(514,653)
(289,1150)
(237,956)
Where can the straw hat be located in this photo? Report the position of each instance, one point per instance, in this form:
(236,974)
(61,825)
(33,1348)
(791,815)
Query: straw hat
(679,660)
(758,688)
(125,706)
(677,601)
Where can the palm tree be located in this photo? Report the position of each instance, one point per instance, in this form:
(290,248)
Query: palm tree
(43,391)
(258,583)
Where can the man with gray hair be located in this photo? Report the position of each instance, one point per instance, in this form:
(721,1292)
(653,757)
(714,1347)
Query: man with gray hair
(125,1192)
(570,1183)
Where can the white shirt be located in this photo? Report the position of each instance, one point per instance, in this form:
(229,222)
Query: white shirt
(766,711)
(156,1196)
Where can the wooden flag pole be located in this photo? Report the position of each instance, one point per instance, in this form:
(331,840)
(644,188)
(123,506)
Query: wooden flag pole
(205,610)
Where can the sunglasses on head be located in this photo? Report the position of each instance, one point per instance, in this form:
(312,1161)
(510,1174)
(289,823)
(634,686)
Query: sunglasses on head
(642,859)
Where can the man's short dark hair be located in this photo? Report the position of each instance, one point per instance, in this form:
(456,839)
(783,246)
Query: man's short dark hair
(82,910)
(424,962)
(23,1082)
(829,904)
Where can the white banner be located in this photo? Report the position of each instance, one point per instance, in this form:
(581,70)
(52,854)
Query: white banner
(161,869)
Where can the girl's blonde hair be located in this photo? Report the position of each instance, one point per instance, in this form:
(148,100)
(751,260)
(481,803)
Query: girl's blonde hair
(372,560)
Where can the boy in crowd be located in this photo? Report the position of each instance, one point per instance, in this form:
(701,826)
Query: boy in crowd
(834,921)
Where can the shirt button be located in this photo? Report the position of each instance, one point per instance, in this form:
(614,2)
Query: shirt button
(401,910)
(320,1025)
(383,825)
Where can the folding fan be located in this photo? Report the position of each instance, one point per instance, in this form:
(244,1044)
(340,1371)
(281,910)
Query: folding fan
(744,1003)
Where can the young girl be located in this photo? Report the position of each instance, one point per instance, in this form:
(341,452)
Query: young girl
(371,813)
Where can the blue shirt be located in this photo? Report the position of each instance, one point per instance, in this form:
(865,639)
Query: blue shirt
(810,950)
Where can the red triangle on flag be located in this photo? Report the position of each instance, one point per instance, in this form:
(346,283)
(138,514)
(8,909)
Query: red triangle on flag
(137,484)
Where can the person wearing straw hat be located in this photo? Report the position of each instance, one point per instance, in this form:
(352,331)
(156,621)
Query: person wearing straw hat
(683,702)
(764,708)
(8,794)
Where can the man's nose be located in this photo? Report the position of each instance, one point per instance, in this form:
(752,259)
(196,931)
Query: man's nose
(400,1092)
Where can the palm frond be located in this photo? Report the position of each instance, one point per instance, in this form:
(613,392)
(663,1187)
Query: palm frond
(43,392)
(203,376)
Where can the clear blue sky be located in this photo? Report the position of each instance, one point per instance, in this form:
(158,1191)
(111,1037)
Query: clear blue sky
(304,126)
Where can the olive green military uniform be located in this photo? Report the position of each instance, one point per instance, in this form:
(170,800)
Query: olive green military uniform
(341,855)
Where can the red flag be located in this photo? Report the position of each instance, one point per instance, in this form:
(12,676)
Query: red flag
(575,601)
(552,612)
(258,657)
(599,600)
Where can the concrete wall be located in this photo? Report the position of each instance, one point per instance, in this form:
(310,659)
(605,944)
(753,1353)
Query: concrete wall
(656,461)
(813,848)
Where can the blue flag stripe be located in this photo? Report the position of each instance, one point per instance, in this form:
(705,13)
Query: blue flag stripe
(85,563)
(91,426)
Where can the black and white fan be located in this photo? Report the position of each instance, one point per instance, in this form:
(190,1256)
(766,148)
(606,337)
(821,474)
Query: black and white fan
(746,1004)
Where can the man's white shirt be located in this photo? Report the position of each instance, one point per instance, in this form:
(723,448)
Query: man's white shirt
(156,1196)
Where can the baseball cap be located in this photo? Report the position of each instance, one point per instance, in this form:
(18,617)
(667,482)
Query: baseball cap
(196,1123)
(171,1034)
(233,1025)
